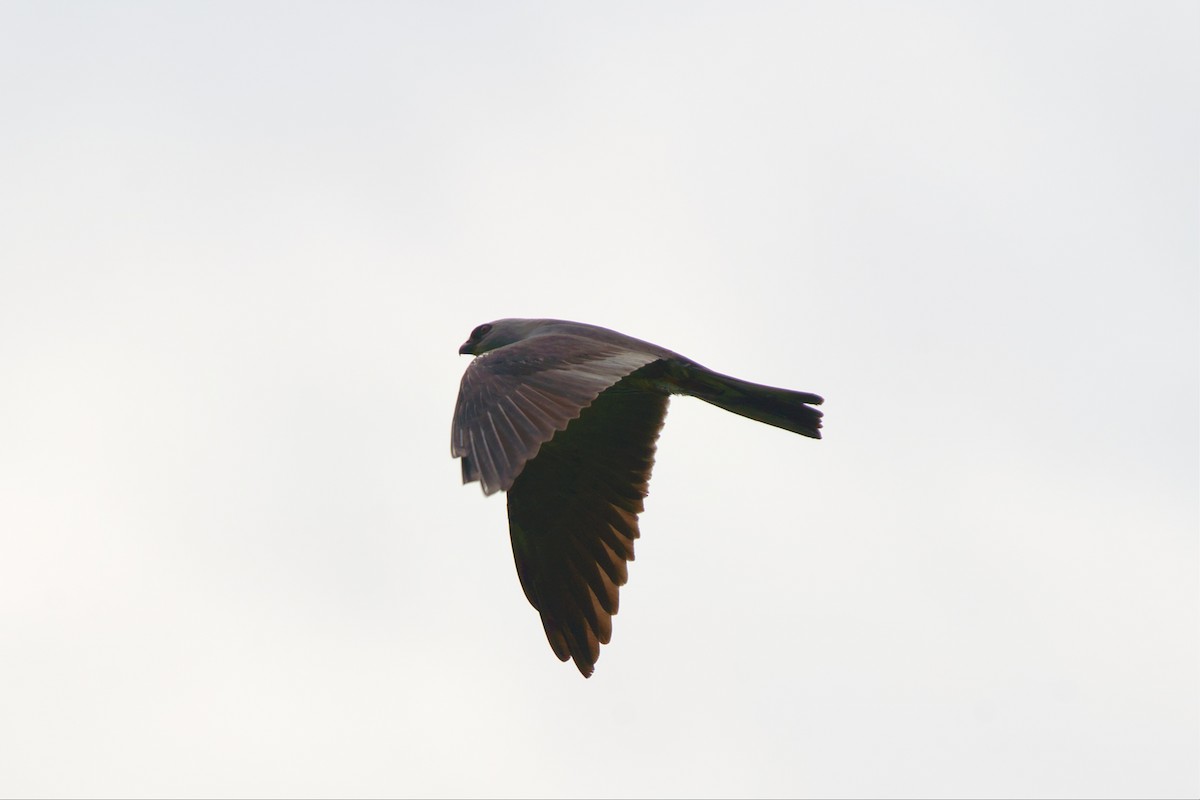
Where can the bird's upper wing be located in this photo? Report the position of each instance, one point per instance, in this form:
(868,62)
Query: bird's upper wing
(573,516)
(514,399)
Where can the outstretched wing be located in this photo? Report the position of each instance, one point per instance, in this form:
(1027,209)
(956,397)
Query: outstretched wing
(573,516)
(514,399)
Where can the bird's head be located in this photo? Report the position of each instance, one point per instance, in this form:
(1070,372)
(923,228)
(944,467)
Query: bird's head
(491,335)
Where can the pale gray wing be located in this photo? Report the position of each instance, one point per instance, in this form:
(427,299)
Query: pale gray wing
(514,399)
(573,517)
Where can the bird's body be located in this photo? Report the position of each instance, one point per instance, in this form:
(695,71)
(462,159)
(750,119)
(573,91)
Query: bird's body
(564,417)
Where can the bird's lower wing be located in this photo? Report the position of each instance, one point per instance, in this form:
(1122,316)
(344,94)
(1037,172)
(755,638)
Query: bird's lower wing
(573,516)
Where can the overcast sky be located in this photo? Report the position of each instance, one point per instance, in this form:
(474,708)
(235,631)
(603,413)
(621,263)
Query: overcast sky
(242,242)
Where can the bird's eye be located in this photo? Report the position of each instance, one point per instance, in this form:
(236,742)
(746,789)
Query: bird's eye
(482,330)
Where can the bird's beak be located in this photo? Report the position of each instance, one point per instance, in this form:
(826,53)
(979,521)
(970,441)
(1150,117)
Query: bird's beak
(465,350)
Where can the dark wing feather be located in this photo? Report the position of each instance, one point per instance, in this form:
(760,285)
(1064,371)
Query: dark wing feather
(572,516)
(515,398)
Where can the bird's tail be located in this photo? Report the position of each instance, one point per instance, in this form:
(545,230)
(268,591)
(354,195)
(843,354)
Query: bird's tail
(782,408)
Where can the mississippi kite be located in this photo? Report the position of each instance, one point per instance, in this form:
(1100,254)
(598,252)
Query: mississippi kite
(564,417)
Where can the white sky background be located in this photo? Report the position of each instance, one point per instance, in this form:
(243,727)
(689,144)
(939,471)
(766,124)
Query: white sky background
(241,244)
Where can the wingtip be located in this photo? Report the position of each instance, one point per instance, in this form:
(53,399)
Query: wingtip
(585,669)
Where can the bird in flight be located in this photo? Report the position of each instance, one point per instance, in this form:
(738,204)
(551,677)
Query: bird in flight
(564,416)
